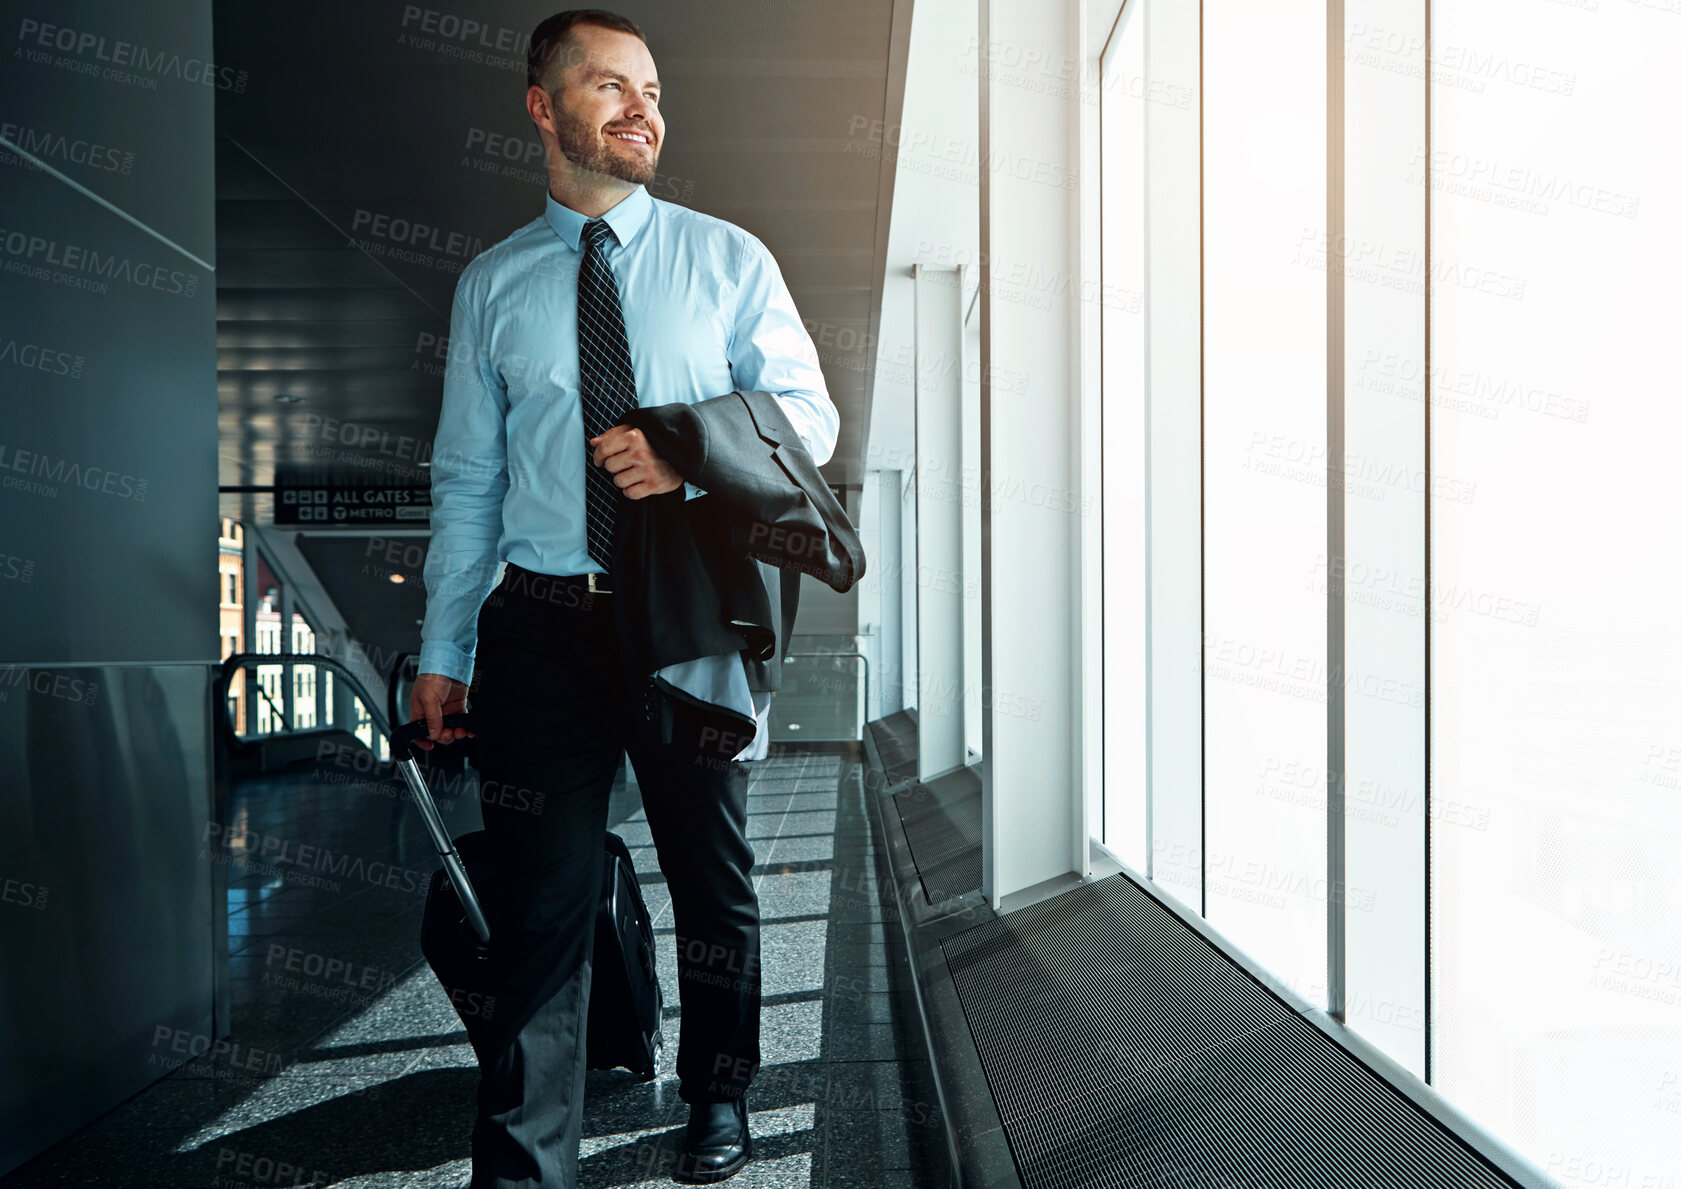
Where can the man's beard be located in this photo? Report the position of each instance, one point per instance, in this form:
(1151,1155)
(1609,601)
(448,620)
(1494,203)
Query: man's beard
(587,147)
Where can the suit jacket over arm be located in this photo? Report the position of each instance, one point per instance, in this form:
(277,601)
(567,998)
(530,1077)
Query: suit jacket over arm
(717,576)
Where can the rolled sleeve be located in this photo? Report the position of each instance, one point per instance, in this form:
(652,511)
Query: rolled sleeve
(469,481)
(770,351)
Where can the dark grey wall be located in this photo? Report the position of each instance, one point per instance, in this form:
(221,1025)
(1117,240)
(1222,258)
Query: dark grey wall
(116,420)
(108,553)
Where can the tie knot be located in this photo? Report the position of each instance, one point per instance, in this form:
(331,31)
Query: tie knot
(595,232)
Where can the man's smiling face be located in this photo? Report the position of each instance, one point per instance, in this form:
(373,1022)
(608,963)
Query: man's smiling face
(607,116)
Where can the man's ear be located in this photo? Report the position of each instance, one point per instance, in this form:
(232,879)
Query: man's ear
(539,104)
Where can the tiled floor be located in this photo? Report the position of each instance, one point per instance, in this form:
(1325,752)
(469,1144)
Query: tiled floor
(347,1066)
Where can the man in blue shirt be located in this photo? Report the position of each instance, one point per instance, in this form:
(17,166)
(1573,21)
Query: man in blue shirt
(611,296)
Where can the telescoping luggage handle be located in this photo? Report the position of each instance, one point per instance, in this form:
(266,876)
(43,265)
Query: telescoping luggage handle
(402,751)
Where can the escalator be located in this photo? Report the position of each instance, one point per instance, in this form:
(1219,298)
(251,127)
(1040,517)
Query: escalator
(278,710)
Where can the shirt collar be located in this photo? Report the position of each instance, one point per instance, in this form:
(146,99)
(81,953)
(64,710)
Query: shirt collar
(625,218)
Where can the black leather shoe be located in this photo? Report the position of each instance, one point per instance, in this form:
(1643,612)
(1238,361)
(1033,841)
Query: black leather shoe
(716,1144)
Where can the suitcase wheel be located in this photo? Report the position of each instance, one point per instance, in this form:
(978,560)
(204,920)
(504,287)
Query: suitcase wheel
(655,1047)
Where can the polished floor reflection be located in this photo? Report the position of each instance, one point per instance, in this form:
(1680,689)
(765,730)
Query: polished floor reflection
(347,1066)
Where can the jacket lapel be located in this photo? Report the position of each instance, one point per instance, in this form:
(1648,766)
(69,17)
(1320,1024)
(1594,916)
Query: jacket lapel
(765,424)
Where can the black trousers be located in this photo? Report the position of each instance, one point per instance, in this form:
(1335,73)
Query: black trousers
(553,718)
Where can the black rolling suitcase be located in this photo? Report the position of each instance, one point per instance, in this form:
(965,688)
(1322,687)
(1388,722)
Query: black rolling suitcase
(626,1003)
(625,999)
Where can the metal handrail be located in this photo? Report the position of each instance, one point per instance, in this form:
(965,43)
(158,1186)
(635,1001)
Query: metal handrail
(279,712)
(243,660)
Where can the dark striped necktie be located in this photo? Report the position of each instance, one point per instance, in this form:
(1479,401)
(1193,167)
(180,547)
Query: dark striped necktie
(606,384)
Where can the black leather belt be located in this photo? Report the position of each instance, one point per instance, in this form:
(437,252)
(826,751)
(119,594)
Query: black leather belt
(596,582)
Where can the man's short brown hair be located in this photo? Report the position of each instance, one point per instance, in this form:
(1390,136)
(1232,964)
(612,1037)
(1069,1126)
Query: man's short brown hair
(555,33)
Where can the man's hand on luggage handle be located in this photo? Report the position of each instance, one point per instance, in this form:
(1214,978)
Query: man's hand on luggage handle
(637,470)
(432,697)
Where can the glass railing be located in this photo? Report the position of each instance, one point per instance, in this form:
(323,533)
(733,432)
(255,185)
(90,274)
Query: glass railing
(825,689)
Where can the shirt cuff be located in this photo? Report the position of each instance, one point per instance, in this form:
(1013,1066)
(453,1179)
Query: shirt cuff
(440,656)
(814,432)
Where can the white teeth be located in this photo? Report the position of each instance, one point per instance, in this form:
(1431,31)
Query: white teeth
(631,136)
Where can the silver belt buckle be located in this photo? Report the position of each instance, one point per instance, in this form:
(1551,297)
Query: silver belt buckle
(594,589)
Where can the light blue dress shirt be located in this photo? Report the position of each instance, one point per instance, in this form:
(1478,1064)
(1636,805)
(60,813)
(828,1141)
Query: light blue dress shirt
(706,312)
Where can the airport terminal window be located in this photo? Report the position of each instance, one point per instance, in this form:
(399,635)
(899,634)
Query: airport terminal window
(973,730)
(306,708)
(1264,482)
(364,723)
(1125,392)
(1381,561)
(268,698)
(1555,697)
(230,565)
(1544,999)
(268,609)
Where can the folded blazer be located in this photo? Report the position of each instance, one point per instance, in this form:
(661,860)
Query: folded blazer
(718,575)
